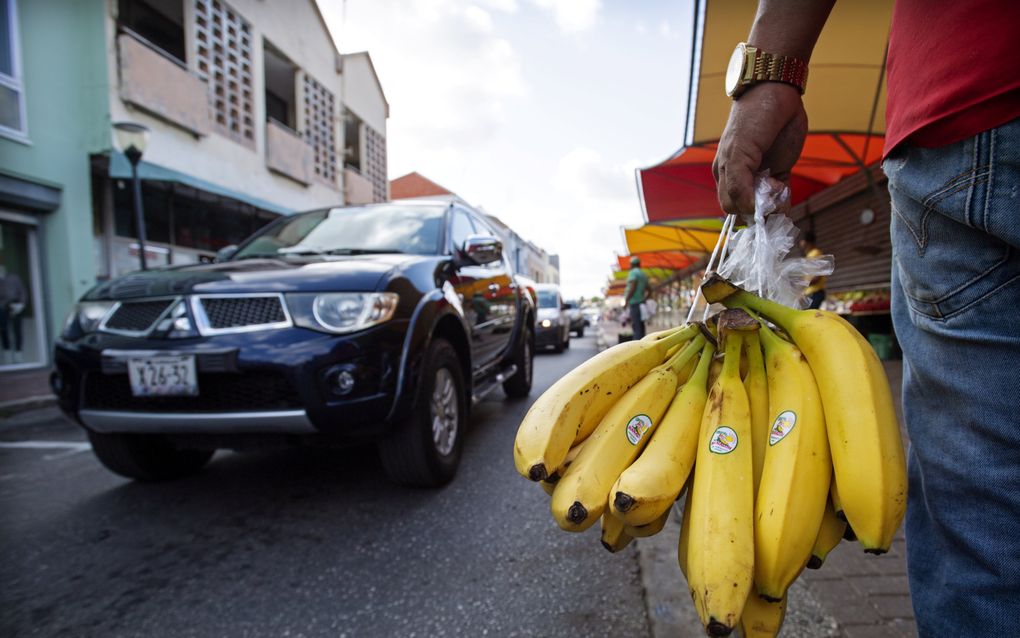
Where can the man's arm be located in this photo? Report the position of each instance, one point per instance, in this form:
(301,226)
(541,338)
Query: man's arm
(629,288)
(767,125)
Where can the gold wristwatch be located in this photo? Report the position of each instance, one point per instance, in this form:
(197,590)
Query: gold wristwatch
(750,65)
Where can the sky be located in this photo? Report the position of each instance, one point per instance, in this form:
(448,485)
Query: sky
(538,111)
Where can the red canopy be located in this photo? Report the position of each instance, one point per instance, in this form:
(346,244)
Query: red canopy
(674,260)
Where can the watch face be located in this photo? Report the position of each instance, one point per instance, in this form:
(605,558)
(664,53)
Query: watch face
(735,70)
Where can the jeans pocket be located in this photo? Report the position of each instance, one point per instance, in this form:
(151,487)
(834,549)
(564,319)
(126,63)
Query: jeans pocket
(945,266)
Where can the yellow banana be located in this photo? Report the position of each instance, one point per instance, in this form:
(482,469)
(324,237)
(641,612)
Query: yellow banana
(580,496)
(651,484)
(829,534)
(570,410)
(864,436)
(761,618)
(757,386)
(795,479)
(614,536)
(720,555)
(685,536)
(549,484)
(651,529)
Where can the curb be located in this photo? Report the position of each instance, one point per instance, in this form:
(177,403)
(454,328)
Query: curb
(10,408)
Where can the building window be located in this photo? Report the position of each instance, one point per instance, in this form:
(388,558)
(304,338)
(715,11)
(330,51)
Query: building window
(280,87)
(224,48)
(319,128)
(12,95)
(159,22)
(352,141)
(374,164)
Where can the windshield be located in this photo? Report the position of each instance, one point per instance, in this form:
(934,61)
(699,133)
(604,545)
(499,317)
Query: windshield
(374,229)
(547,299)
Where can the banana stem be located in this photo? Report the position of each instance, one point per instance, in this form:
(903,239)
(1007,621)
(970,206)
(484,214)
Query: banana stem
(734,342)
(681,358)
(749,301)
(681,335)
(704,364)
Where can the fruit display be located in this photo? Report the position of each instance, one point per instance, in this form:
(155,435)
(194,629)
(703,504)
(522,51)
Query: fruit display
(774,426)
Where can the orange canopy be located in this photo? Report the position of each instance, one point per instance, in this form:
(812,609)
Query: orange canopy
(845,101)
(673,260)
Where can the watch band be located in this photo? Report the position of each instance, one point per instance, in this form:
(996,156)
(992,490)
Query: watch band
(779,68)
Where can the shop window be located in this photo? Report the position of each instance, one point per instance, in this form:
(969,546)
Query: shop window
(12,95)
(374,164)
(159,22)
(156,208)
(279,81)
(224,58)
(319,128)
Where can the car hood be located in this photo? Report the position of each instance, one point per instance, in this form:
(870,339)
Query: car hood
(548,313)
(340,274)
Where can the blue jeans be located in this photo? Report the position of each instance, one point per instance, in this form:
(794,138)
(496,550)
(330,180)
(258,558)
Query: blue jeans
(956,309)
(637,325)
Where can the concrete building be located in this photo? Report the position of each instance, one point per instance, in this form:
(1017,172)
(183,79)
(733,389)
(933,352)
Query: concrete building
(252,113)
(526,258)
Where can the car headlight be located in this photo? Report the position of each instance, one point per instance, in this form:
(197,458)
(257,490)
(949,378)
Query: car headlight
(546,323)
(342,312)
(85,318)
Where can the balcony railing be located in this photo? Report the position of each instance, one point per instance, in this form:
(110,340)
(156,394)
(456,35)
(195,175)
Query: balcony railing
(157,84)
(287,153)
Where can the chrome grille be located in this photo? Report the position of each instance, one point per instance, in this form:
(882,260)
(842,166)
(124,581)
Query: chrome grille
(136,316)
(231,313)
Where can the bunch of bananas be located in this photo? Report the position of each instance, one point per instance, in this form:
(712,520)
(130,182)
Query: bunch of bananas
(785,442)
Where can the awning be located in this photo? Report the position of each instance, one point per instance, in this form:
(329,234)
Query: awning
(845,101)
(672,259)
(692,235)
(120,168)
(654,274)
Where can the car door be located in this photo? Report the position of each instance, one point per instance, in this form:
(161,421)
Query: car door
(501,294)
(471,283)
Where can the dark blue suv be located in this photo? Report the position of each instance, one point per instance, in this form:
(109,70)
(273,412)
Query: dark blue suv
(376,323)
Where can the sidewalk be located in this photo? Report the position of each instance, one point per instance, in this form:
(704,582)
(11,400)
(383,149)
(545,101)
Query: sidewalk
(854,595)
(25,390)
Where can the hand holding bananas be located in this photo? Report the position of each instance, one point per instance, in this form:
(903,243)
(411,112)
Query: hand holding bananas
(800,402)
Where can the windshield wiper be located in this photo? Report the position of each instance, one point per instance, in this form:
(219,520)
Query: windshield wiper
(255,256)
(361,251)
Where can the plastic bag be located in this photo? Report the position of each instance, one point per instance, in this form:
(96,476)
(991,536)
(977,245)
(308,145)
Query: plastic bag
(756,257)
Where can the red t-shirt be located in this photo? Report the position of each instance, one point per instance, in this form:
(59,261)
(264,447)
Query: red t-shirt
(954,70)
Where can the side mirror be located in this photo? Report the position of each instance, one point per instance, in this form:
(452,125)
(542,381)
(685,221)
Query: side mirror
(482,249)
(225,253)
(564,306)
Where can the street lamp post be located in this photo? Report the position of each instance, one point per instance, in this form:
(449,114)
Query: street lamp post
(130,139)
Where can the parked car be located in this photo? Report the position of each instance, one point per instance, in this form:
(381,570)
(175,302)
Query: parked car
(553,325)
(577,320)
(379,323)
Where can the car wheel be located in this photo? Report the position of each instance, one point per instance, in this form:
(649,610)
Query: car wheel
(519,385)
(424,450)
(580,332)
(146,457)
(566,342)
(558,347)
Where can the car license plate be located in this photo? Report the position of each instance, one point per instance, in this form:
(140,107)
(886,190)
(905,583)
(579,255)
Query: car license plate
(163,376)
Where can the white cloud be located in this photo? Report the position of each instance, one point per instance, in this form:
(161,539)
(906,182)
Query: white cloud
(506,6)
(572,16)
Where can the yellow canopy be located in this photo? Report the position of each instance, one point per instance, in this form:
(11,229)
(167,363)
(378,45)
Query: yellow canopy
(845,89)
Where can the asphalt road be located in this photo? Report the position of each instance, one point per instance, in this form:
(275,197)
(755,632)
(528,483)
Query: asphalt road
(300,542)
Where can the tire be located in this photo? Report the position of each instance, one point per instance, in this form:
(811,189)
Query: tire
(416,452)
(558,348)
(146,457)
(566,342)
(519,385)
(580,332)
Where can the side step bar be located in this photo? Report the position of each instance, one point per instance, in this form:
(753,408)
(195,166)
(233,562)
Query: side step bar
(482,391)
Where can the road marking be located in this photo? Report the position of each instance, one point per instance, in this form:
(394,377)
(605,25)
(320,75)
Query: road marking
(67,448)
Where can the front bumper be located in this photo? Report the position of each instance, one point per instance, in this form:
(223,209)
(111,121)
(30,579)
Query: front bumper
(550,336)
(273,381)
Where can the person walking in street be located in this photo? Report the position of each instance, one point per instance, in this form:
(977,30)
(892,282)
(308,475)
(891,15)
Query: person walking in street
(634,294)
(815,291)
(952,155)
